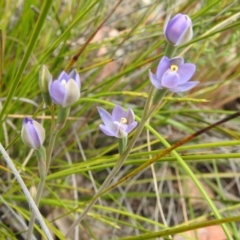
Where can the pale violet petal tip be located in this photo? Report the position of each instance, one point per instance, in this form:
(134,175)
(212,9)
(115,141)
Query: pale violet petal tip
(186,71)
(131,126)
(105,116)
(57,92)
(63,76)
(130,115)
(106,130)
(74,75)
(185,87)
(162,67)
(118,113)
(154,80)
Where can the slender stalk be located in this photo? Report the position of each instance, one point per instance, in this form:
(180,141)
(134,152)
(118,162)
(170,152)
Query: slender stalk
(119,163)
(146,114)
(26,192)
(50,148)
(41,156)
(122,145)
(44,165)
(33,215)
(55,129)
(170,50)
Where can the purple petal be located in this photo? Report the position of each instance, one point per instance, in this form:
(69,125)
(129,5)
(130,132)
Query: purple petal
(75,76)
(32,133)
(185,72)
(118,113)
(184,87)
(40,132)
(187,34)
(63,76)
(131,127)
(155,81)
(130,116)
(176,61)
(108,131)
(105,116)
(170,79)
(57,92)
(162,67)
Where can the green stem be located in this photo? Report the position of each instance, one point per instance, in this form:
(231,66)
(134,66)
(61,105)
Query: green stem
(159,95)
(146,113)
(43,165)
(170,50)
(37,200)
(122,145)
(55,129)
(50,148)
(41,158)
(119,163)
(63,114)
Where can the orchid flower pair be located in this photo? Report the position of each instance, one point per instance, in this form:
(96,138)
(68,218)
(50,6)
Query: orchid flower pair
(172,74)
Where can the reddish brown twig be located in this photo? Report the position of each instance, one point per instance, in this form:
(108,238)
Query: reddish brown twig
(77,55)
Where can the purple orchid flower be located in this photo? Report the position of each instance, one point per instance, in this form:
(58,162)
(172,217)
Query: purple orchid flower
(119,124)
(178,30)
(65,91)
(33,133)
(174,75)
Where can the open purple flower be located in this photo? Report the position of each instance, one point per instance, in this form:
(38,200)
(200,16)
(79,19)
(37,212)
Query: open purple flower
(178,30)
(119,124)
(33,133)
(174,75)
(65,91)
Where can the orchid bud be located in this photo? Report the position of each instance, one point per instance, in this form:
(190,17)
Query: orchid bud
(45,78)
(178,30)
(65,91)
(33,133)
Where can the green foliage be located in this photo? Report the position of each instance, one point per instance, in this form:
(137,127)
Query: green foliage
(114,70)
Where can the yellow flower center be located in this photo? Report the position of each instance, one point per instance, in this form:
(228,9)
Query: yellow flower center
(124,120)
(174,68)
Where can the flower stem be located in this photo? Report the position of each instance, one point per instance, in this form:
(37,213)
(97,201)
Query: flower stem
(55,129)
(119,163)
(122,145)
(41,156)
(170,50)
(44,164)
(63,114)
(146,114)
